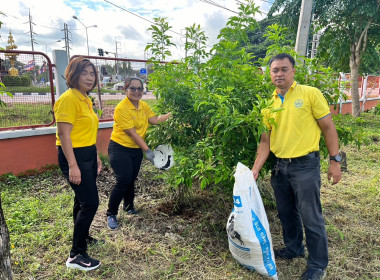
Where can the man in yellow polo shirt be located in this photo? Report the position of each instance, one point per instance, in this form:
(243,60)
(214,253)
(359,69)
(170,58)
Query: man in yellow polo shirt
(293,137)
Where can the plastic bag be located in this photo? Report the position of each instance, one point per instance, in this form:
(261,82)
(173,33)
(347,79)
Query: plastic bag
(249,238)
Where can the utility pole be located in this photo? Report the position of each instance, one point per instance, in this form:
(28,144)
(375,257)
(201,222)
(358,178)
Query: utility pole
(31,31)
(186,46)
(116,64)
(304,27)
(32,42)
(67,40)
(315,44)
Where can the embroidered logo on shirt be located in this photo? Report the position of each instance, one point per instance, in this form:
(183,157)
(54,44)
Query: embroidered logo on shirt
(298,103)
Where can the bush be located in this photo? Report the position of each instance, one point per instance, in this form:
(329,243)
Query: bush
(11,80)
(111,84)
(216,103)
(25,81)
(377,109)
(17,81)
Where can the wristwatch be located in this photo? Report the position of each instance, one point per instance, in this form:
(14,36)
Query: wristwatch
(336,158)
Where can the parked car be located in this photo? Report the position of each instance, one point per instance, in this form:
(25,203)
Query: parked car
(118,86)
(48,84)
(105,81)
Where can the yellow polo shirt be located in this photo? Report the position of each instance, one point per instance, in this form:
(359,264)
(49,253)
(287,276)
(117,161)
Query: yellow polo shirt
(74,108)
(127,116)
(297,132)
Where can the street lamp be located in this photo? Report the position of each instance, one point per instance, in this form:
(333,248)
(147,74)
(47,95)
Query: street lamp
(75,17)
(51,43)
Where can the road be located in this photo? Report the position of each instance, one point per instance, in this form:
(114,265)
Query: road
(46,98)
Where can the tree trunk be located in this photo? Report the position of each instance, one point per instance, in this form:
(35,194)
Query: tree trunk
(354,66)
(5,257)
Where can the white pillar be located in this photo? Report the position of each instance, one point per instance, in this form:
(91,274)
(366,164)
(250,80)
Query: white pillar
(61,61)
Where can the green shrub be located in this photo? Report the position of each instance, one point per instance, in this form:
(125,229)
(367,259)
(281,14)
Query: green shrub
(11,80)
(377,109)
(25,81)
(17,81)
(111,84)
(216,103)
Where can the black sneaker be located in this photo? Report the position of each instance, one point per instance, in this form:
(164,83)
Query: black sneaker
(282,254)
(82,262)
(132,211)
(91,241)
(112,222)
(314,274)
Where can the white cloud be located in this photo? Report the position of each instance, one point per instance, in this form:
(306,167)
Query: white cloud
(115,27)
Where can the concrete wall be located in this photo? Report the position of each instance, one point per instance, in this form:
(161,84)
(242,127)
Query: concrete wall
(34,149)
(347,106)
(29,149)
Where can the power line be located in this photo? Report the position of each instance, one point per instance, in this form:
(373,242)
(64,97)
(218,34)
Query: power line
(217,5)
(50,27)
(267,1)
(139,16)
(220,6)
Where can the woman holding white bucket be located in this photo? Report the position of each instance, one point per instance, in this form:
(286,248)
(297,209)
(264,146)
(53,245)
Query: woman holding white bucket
(127,145)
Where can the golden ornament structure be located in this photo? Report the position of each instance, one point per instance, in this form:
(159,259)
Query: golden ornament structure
(12,56)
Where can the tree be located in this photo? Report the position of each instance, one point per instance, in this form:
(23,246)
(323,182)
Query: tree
(349,27)
(161,40)
(259,43)
(5,256)
(5,259)
(216,105)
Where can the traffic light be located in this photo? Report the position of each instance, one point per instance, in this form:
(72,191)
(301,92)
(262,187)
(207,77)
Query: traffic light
(104,70)
(100,52)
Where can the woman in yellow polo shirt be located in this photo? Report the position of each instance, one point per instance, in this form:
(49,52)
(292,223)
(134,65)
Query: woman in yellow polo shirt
(132,117)
(77,126)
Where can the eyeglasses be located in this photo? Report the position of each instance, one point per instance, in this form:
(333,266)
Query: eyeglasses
(133,89)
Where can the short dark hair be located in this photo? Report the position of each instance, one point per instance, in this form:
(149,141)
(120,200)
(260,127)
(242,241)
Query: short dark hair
(281,56)
(128,81)
(74,70)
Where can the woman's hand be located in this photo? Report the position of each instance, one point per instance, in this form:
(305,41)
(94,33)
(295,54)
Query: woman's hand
(75,175)
(100,166)
(166,116)
(159,119)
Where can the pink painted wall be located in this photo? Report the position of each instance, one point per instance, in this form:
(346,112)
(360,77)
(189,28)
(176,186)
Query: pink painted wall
(18,155)
(347,107)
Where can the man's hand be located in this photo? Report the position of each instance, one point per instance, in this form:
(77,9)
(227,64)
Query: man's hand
(150,155)
(255,173)
(334,172)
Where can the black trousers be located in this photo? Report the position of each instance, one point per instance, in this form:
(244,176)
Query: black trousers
(86,200)
(296,186)
(125,163)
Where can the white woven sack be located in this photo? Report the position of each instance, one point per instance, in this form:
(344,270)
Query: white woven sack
(249,238)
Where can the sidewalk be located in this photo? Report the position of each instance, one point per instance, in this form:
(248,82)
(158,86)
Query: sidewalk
(148,95)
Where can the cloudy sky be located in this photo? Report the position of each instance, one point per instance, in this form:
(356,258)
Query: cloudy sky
(121,24)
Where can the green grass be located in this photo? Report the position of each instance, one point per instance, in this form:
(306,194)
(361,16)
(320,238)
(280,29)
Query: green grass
(158,244)
(18,114)
(113,102)
(151,102)
(44,89)
(28,89)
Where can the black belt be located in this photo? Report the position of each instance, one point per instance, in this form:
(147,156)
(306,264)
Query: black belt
(308,156)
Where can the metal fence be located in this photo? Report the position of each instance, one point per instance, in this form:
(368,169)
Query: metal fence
(369,85)
(112,74)
(29,77)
